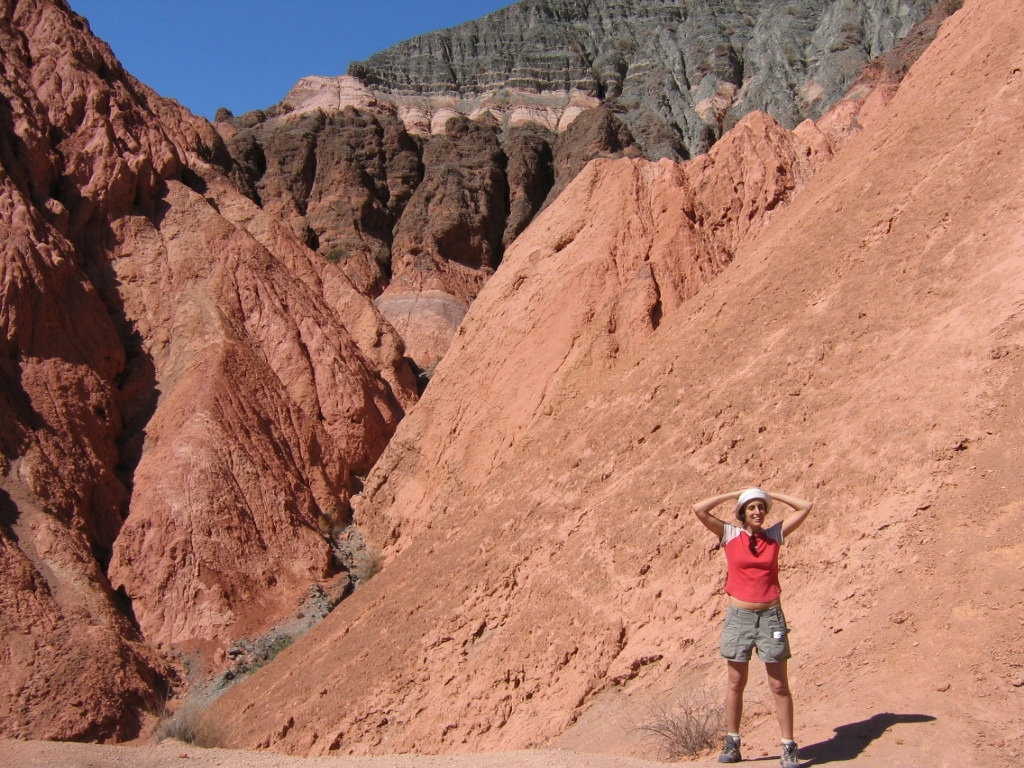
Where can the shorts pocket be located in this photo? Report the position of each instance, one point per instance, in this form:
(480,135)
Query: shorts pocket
(773,640)
(733,645)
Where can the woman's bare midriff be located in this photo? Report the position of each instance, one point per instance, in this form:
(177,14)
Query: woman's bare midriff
(737,603)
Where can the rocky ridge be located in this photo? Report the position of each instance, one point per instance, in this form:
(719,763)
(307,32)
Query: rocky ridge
(674,230)
(188,396)
(416,170)
(411,224)
(678,72)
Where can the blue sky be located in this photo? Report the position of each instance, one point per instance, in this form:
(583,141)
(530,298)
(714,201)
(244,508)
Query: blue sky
(247,54)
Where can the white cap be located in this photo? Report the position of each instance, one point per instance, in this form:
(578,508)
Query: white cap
(749,495)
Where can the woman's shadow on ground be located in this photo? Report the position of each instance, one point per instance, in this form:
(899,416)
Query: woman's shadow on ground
(852,739)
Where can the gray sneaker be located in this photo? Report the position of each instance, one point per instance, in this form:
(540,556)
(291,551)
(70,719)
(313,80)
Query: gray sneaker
(731,752)
(790,756)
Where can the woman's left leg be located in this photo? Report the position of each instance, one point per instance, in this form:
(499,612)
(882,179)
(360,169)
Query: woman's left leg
(778,681)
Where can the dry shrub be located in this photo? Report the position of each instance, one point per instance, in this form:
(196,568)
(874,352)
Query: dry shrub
(692,725)
(368,563)
(189,725)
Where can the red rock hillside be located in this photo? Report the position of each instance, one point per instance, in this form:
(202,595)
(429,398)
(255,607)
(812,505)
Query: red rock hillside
(546,582)
(163,341)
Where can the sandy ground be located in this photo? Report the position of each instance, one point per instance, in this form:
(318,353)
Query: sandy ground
(171,753)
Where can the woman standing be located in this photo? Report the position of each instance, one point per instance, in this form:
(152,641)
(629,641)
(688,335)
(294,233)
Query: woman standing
(754,616)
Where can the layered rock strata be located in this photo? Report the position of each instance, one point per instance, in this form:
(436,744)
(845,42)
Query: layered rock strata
(424,115)
(411,221)
(680,71)
(497,115)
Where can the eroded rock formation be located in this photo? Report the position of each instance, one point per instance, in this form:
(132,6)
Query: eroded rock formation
(507,109)
(195,380)
(546,579)
(187,392)
(410,221)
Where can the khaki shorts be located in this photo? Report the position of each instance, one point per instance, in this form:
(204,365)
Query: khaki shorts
(765,630)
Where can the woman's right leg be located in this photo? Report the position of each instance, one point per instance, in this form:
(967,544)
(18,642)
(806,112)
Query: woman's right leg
(734,694)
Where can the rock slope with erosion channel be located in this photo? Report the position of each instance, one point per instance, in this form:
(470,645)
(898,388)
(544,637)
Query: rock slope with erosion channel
(188,392)
(417,170)
(545,581)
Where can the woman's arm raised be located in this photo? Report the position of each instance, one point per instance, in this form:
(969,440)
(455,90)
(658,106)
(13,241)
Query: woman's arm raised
(793,521)
(702,509)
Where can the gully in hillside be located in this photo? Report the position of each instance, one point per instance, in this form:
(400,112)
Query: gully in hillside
(754,617)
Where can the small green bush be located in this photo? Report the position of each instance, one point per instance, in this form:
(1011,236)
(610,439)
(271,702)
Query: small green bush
(278,644)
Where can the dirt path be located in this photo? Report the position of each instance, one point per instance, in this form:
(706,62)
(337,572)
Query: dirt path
(172,754)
